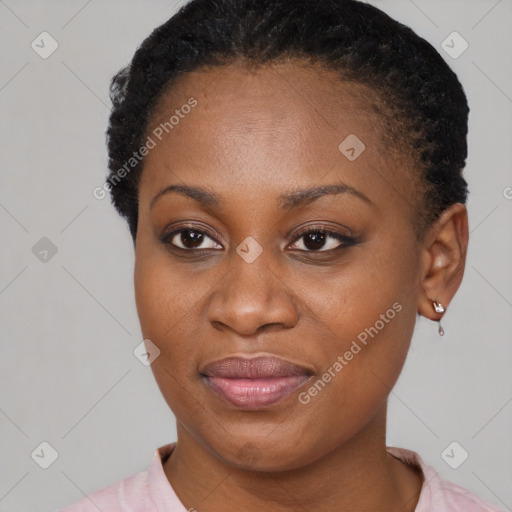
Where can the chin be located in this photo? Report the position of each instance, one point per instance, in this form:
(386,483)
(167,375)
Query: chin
(266,453)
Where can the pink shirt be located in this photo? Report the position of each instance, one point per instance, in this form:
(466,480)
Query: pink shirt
(150,491)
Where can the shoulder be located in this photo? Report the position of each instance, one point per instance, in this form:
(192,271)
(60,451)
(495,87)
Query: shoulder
(454,497)
(438,494)
(115,497)
(137,493)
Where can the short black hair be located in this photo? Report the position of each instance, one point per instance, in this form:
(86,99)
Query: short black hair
(426,108)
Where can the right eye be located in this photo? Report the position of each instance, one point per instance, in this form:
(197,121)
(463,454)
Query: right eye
(189,239)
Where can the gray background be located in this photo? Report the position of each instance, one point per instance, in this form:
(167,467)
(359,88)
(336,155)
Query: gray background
(69,325)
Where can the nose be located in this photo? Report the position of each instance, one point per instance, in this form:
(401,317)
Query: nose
(251,298)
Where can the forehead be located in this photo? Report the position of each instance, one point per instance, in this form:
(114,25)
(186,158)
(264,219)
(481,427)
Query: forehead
(240,95)
(290,117)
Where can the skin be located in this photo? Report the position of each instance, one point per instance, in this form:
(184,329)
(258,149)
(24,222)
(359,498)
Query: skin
(256,134)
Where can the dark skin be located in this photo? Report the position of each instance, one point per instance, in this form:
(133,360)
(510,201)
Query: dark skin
(253,136)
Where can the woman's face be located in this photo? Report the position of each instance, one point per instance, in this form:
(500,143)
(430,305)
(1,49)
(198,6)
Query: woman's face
(258,271)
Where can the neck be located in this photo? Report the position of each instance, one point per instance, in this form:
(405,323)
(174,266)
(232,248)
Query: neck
(356,475)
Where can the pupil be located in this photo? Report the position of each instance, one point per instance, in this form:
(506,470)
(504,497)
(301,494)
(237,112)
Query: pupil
(314,240)
(191,238)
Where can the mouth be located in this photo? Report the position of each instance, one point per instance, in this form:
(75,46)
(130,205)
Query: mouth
(254,383)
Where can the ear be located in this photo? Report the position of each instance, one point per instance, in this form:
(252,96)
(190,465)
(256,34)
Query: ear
(443,260)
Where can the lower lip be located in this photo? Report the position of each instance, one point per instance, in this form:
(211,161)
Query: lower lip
(255,393)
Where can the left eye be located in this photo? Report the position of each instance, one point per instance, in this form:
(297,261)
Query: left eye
(320,241)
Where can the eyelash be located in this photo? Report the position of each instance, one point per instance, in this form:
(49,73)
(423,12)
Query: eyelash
(346,240)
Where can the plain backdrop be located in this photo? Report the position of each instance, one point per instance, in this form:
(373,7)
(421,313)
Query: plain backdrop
(69,325)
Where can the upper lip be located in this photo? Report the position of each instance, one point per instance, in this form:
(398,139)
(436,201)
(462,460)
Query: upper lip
(253,368)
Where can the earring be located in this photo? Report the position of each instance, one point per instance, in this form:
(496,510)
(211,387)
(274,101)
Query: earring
(439,308)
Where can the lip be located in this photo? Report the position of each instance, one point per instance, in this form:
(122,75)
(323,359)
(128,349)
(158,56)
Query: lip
(254,383)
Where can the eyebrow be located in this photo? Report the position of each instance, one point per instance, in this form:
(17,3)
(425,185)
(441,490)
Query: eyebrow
(288,200)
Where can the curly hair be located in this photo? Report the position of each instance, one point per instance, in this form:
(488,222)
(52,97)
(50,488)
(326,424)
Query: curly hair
(424,106)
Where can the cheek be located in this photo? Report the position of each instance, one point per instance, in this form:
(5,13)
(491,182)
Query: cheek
(360,293)
(360,365)
(164,311)
(163,307)
(369,314)
(165,295)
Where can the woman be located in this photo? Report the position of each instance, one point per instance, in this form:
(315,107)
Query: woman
(291,174)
